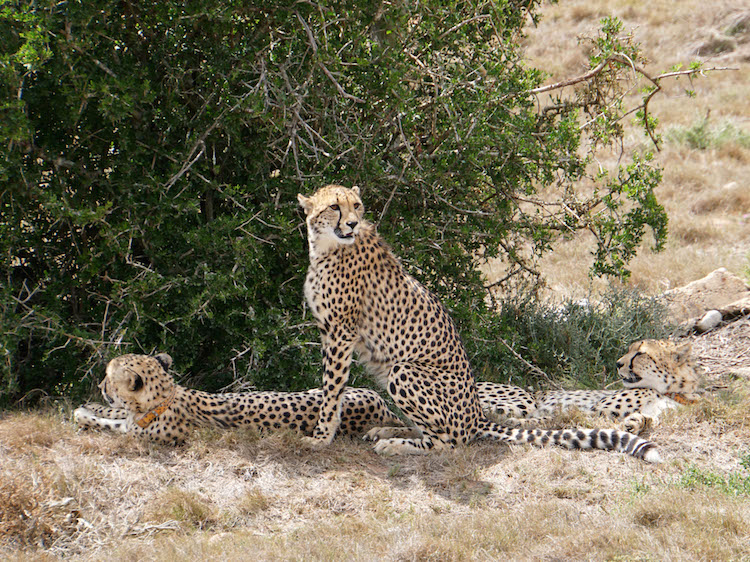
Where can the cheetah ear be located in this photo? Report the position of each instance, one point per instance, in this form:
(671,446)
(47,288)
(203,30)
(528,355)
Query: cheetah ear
(305,202)
(683,353)
(135,383)
(355,189)
(165,360)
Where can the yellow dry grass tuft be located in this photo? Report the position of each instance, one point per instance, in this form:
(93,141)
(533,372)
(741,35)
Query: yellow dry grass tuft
(189,508)
(32,514)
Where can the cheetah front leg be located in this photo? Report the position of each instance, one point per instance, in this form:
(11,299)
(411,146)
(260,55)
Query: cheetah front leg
(337,359)
(95,416)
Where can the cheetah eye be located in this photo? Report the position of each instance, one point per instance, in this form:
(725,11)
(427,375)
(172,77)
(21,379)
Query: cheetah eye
(356,205)
(335,207)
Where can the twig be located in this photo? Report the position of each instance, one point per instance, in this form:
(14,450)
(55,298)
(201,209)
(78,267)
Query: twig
(533,368)
(339,87)
(571,81)
(463,23)
(408,146)
(258,238)
(97,62)
(387,203)
(463,211)
(503,280)
(190,160)
(310,36)
(170,525)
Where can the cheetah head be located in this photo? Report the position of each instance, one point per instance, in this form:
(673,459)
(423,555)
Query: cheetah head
(660,365)
(137,383)
(334,216)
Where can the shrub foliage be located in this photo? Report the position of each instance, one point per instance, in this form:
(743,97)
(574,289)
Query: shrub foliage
(152,152)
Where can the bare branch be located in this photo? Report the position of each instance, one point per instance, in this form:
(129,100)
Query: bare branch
(532,367)
(463,23)
(624,59)
(339,87)
(571,81)
(200,143)
(621,58)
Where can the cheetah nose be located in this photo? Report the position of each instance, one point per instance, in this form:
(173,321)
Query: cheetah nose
(619,364)
(352,224)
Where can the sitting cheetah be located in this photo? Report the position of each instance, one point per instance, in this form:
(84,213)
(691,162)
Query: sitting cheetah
(147,402)
(365,302)
(658,375)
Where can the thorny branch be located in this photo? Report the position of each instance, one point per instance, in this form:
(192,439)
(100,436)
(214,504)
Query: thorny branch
(625,60)
(533,368)
(201,144)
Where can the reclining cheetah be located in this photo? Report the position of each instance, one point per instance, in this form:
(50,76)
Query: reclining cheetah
(146,401)
(364,301)
(657,375)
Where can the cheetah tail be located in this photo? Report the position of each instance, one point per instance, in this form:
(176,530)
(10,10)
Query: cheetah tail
(607,439)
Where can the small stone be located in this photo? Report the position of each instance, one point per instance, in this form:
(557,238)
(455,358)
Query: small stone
(709,321)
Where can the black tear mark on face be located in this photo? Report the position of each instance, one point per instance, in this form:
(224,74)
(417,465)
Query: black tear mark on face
(637,353)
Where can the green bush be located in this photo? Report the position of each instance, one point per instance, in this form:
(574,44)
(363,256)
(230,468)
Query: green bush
(704,135)
(152,152)
(574,345)
(735,483)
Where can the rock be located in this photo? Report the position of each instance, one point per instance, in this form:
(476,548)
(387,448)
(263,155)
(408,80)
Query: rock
(735,309)
(739,27)
(716,291)
(709,321)
(716,45)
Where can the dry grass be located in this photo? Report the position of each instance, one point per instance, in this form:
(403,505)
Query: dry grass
(234,496)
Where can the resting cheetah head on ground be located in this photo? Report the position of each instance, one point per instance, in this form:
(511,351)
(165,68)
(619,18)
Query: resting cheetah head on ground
(334,216)
(138,383)
(661,365)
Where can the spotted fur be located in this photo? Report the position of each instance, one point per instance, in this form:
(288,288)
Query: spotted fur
(365,303)
(657,375)
(144,400)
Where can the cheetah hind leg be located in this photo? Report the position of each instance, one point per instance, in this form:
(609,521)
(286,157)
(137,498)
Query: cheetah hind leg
(422,401)
(95,416)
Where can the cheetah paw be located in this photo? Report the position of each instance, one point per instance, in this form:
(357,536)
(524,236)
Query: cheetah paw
(380,433)
(391,447)
(638,423)
(83,417)
(315,442)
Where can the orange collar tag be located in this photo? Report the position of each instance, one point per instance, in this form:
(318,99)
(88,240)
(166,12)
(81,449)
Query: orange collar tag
(680,398)
(151,415)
